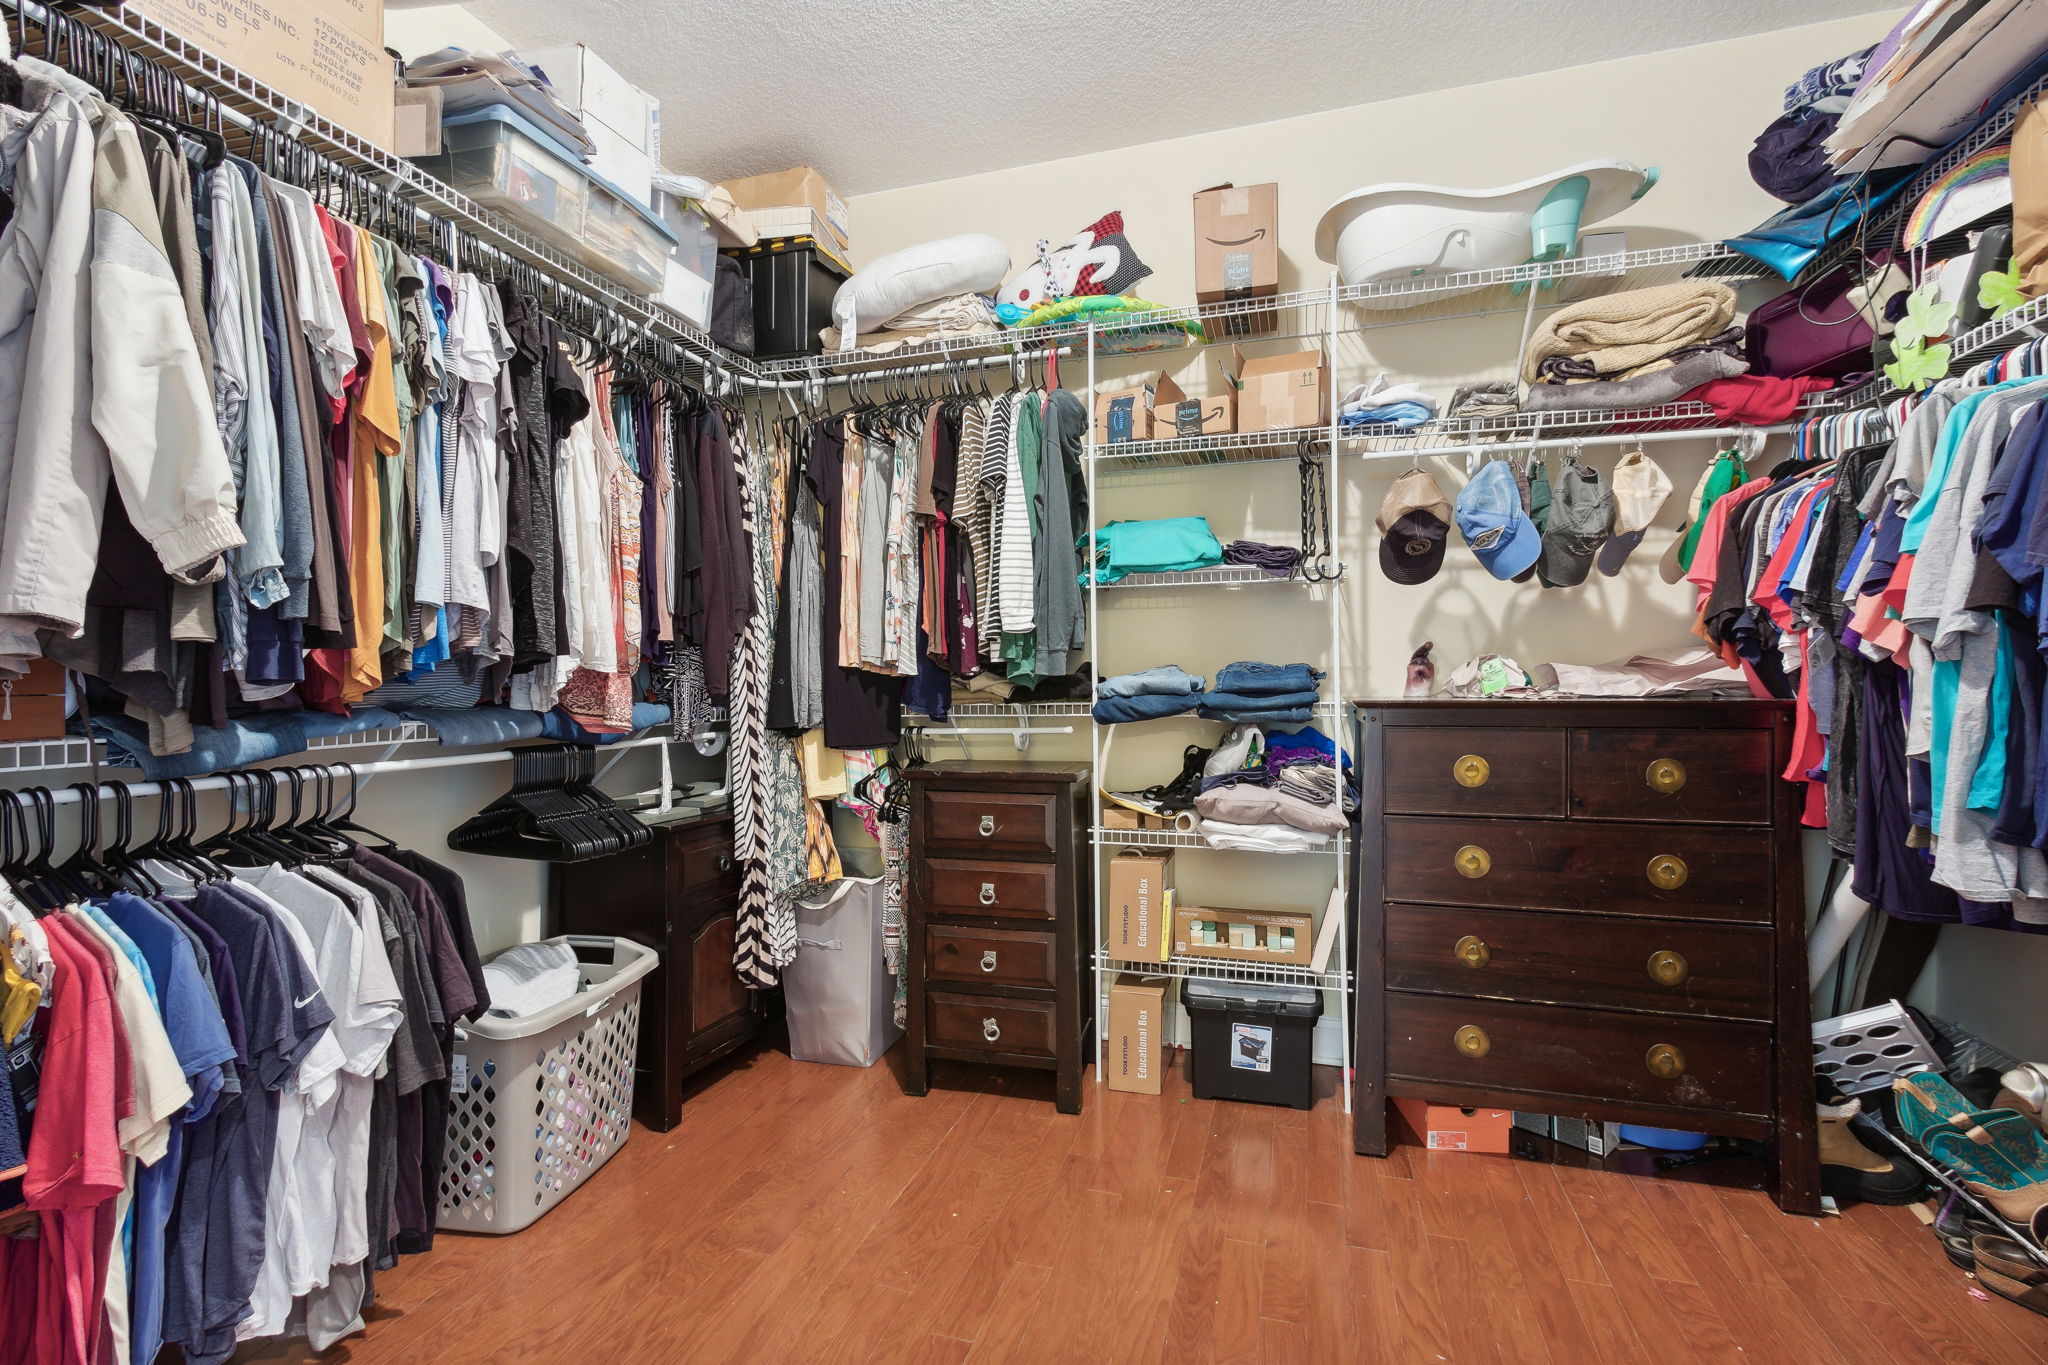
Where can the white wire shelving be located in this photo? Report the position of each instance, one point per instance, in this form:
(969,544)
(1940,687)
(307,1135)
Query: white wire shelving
(1220,576)
(1181,838)
(75,751)
(1186,966)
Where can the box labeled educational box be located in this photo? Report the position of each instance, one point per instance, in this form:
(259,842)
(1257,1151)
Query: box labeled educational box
(1237,255)
(772,196)
(1244,935)
(1448,1128)
(1137,917)
(1282,392)
(1134,1050)
(1132,412)
(327,56)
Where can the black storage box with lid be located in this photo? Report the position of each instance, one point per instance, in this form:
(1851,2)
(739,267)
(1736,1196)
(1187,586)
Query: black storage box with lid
(1252,1042)
(793,282)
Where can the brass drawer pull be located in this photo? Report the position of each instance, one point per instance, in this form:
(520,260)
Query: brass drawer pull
(1472,861)
(1665,776)
(1666,1062)
(1668,871)
(1471,1041)
(988,960)
(988,825)
(1668,968)
(1471,770)
(988,893)
(991,1030)
(1472,951)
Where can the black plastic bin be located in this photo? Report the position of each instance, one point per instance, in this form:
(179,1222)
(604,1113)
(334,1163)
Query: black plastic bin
(793,283)
(1252,1042)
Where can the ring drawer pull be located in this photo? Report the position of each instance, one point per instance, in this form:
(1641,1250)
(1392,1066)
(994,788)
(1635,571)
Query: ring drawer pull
(1668,968)
(988,893)
(988,825)
(1472,861)
(1472,951)
(988,960)
(1665,775)
(1666,1062)
(1668,871)
(1471,770)
(991,1030)
(1471,1041)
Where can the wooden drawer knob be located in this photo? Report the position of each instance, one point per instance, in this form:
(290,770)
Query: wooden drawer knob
(1666,1062)
(1665,776)
(1668,968)
(1472,951)
(1472,861)
(1471,1041)
(1668,871)
(1471,770)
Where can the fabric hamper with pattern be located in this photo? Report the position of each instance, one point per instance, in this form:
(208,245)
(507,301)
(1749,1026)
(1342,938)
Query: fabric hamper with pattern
(840,996)
(539,1102)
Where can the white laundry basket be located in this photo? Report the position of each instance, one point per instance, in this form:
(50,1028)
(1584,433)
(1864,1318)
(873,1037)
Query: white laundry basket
(539,1102)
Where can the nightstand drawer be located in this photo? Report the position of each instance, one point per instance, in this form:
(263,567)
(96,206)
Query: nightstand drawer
(1716,775)
(1495,770)
(991,957)
(1003,890)
(991,1023)
(1017,824)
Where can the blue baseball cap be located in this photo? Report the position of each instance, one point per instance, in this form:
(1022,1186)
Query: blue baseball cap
(1491,519)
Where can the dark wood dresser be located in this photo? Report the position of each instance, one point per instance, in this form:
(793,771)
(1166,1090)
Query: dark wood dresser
(680,896)
(1591,909)
(995,921)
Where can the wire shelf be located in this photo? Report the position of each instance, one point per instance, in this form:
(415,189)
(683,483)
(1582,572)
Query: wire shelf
(1459,435)
(1004,711)
(1175,838)
(406,733)
(1222,576)
(45,755)
(1479,293)
(1230,447)
(1227,969)
(1980,343)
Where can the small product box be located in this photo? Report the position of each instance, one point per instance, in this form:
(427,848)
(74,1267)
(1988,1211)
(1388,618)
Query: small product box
(1137,917)
(800,188)
(1134,1052)
(1237,255)
(1594,1139)
(1132,413)
(1247,935)
(1447,1128)
(1215,415)
(33,706)
(1282,392)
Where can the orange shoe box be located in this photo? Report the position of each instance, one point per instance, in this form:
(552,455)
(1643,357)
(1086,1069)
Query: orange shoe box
(1447,1128)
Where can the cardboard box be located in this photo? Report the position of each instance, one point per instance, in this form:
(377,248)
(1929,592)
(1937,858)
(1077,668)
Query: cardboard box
(1447,1128)
(1138,916)
(416,120)
(1214,415)
(618,162)
(1244,935)
(1131,413)
(1595,1139)
(32,706)
(1122,817)
(1237,254)
(1134,1050)
(777,191)
(593,90)
(328,56)
(1283,392)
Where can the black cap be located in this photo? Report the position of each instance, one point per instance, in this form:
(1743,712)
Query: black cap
(1412,550)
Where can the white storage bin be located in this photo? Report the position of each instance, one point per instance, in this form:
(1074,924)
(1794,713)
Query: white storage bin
(693,265)
(539,1102)
(839,994)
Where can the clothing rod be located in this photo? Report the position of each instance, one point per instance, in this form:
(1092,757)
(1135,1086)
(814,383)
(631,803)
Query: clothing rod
(221,781)
(1566,442)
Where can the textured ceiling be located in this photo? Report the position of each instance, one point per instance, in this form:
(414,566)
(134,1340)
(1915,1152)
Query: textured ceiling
(884,93)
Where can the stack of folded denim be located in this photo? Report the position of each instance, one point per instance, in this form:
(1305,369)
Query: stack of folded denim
(1271,696)
(1149,694)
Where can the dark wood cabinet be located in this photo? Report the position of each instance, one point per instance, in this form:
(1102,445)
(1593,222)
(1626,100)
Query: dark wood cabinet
(680,896)
(1590,909)
(995,921)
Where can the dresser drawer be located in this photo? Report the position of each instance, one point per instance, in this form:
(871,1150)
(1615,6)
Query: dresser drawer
(1002,890)
(1718,775)
(1587,1054)
(990,1024)
(1022,824)
(1674,966)
(1695,871)
(998,957)
(1480,771)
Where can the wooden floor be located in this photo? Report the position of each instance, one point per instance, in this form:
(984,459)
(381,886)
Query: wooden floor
(813,1213)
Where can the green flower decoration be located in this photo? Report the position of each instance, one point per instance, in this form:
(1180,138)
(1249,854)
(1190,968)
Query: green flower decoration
(1927,319)
(1999,290)
(1918,366)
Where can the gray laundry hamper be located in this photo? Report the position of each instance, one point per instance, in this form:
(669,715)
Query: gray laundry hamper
(839,994)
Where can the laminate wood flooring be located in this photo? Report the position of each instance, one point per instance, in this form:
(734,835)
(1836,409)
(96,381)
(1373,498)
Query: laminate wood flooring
(814,1213)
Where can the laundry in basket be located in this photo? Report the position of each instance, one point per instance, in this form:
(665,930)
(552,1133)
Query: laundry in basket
(838,992)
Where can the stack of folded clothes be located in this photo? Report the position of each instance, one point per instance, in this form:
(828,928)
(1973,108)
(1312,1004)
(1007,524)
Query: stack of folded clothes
(1635,349)
(961,315)
(1149,694)
(1273,793)
(1381,404)
(1279,696)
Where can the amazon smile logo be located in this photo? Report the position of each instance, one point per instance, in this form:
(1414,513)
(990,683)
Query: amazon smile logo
(1241,241)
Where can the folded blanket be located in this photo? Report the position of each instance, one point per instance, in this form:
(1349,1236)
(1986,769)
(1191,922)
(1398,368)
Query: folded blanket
(1165,680)
(1621,331)
(1644,391)
(958,316)
(1571,370)
(1272,838)
(1246,804)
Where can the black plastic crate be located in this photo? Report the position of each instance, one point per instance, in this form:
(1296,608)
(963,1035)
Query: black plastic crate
(793,283)
(1252,1042)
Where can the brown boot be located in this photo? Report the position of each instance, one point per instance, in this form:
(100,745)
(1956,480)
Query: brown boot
(1850,1170)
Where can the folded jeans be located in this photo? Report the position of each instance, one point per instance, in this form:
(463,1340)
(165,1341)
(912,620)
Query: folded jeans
(1261,679)
(1145,706)
(1165,680)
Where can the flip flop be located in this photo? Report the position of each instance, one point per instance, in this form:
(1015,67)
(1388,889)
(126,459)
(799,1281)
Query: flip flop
(2004,1268)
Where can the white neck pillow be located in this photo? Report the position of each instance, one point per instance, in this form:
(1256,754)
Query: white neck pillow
(885,289)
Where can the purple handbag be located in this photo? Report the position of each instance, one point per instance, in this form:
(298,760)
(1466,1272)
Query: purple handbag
(1811,329)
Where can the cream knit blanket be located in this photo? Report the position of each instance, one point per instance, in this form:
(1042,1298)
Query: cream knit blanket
(1621,331)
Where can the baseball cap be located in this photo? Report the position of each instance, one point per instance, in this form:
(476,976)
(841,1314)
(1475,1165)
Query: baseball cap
(1415,525)
(1490,517)
(1640,491)
(1581,517)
